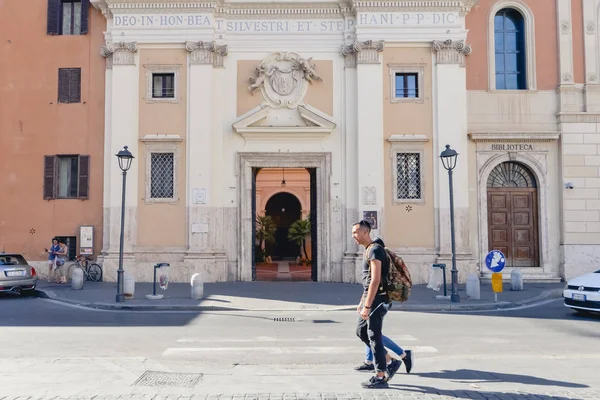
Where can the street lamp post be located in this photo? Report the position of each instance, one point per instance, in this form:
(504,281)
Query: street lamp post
(125,157)
(449,157)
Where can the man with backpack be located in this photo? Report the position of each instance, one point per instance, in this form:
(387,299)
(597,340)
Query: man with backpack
(406,356)
(374,304)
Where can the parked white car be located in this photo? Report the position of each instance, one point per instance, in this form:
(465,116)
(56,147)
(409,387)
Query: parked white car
(582,294)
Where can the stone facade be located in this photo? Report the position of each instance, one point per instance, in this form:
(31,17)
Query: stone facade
(324,86)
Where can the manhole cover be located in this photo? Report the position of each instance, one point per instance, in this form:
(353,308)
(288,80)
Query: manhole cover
(165,379)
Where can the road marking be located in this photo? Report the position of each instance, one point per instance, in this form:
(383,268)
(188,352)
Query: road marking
(397,339)
(174,351)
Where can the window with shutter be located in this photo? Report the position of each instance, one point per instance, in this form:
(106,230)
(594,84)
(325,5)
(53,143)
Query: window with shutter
(85,6)
(49,177)
(75,85)
(84,177)
(53,18)
(66,177)
(69,85)
(71,17)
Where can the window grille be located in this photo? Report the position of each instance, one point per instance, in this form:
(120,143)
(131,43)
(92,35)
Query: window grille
(162,175)
(408,166)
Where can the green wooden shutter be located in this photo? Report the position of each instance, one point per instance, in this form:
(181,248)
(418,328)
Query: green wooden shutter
(83,177)
(53,21)
(75,85)
(63,85)
(85,6)
(49,177)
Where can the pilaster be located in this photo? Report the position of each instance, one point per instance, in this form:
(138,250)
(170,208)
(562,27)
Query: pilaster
(571,97)
(350,154)
(450,127)
(370,141)
(206,53)
(121,130)
(591,52)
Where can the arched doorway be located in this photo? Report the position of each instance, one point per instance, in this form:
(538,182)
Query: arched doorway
(513,214)
(284,208)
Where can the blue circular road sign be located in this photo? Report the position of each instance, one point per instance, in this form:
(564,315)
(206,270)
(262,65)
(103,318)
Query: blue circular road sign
(495,261)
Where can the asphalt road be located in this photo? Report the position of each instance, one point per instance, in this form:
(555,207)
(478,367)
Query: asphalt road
(69,351)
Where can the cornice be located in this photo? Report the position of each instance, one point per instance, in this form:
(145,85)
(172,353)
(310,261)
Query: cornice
(283,10)
(153,6)
(292,10)
(519,137)
(578,117)
(462,6)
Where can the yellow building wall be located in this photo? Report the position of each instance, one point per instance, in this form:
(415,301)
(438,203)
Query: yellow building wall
(409,226)
(163,224)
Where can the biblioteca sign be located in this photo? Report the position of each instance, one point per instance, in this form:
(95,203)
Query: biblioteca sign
(370,19)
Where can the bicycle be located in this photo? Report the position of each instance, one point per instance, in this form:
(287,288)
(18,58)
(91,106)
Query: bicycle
(91,272)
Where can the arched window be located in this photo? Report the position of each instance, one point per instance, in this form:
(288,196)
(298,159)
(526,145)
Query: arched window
(510,52)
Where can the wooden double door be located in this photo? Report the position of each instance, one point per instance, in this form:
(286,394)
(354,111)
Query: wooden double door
(512,224)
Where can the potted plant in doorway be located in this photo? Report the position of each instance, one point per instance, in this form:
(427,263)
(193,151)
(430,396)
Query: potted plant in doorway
(299,231)
(265,233)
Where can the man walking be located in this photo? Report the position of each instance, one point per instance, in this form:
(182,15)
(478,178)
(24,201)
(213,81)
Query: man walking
(373,304)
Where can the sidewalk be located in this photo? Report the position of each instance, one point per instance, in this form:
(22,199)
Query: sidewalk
(284,296)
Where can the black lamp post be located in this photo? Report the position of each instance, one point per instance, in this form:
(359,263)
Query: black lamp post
(449,157)
(125,157)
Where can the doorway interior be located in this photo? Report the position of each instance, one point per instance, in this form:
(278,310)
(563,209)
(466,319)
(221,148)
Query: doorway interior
(284,215)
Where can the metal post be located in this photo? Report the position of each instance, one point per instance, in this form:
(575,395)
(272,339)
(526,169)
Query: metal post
(120,291)
(454,297)
(444,273)
(154,286)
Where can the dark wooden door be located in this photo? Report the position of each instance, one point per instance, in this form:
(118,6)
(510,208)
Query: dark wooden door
(512,225)
(313,223)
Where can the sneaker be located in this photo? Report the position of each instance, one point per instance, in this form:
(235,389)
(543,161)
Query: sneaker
(393,368)
(408,361)
(365,367)
(375,383)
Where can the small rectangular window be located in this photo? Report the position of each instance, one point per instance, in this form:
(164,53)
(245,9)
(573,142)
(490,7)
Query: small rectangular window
(71,17)
(407,85)
(69,85)
(408,167)
(162,175)
(163,85)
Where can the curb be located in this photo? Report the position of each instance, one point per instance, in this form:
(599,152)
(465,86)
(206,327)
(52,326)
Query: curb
(552,293)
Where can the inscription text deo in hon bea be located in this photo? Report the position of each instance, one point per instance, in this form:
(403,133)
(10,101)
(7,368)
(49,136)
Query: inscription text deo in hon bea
(512,147)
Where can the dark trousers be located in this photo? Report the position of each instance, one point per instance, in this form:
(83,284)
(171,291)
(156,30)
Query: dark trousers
(369,331)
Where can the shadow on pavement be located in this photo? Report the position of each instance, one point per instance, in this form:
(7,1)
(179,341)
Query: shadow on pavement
(485,394)
(475,376)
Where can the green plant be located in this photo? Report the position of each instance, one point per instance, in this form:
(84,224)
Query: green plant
(265,233)
(299,231)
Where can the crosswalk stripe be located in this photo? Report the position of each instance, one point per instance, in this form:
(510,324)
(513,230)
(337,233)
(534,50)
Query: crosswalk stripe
(398,339)
(173,351)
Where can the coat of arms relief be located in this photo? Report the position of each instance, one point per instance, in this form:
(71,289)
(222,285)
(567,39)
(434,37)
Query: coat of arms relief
(283,79)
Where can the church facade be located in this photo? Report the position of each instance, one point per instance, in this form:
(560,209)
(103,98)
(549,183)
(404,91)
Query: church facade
(364,96)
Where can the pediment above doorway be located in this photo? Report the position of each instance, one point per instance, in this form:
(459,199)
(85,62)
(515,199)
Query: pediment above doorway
(265,122)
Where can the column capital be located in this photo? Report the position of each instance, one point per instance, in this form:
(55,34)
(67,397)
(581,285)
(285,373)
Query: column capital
(451,51)
(121,53)
(366,52)
(207,53)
